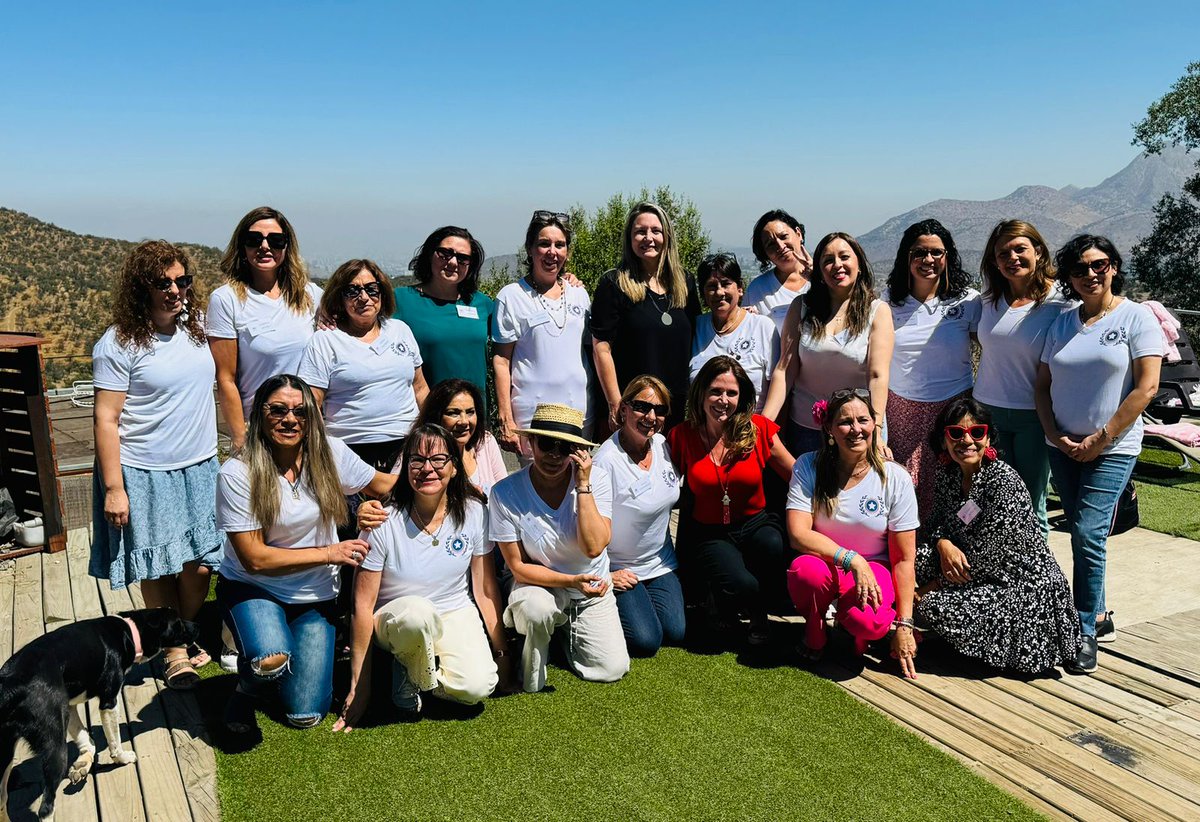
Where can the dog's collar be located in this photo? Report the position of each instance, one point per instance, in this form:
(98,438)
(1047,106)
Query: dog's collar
(137,638)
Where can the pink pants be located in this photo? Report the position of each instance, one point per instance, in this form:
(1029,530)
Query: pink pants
(814,583)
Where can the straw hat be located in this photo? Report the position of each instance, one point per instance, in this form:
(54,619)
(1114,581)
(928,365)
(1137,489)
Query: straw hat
(561,422)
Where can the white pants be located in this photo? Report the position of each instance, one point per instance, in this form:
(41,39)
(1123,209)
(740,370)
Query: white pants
(591,633)
(448,653)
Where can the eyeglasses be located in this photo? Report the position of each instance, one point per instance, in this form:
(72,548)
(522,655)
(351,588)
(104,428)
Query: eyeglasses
(541,214)
(976,432)
(254,239)
(447,254)
(922,253)
(862,393)
(437,462)
(551,445)
(164,284)
(1099,267)
(643,407)
(278,411)
(354,291)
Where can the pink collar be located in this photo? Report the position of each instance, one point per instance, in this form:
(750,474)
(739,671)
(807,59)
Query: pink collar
(137,638)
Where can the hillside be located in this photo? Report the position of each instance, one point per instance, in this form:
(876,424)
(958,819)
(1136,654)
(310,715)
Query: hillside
(55,283)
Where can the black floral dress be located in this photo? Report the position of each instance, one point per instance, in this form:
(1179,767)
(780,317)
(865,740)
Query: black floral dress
(1016,612)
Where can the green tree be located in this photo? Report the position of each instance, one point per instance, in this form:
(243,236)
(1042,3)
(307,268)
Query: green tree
(1166,262)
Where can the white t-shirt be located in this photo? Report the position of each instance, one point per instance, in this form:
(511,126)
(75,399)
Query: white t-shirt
(547,360)
(833,363)
(1012,340)
(865,513)
(550,537)
(169,419)
(770,298)
(642,503)
(368,387)
(413,566)
(932,358)
(1091,369)
(270,336)
(298,525)
(754,343)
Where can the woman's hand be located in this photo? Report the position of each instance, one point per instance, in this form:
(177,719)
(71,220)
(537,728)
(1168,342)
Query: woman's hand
(116,508)
(613,409)
(865,585)
(955,567)
(904,651)
(1068,446)
(1091,447)
(508,438)
(355,706)
(806,261)
(371,515)
(590,584)
(582,461)
(624,580)
(509,682)
(350,552)
(570,279)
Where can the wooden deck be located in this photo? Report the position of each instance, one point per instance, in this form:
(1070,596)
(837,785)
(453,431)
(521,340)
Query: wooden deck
(175,775)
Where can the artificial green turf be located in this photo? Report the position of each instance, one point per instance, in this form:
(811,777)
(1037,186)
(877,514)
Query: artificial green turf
(684,736)
(1168,498)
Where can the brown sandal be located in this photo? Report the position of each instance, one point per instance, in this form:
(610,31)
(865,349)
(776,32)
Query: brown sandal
(198,656)
(178,672)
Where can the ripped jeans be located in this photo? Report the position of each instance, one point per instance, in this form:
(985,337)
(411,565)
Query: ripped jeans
(263,627)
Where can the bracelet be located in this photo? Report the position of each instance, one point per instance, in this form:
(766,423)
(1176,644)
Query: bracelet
(837,556)
(847,559)
(583,489)
(1104,433)
(904,622)
(498,653)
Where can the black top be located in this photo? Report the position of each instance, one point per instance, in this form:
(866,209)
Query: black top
(640,343)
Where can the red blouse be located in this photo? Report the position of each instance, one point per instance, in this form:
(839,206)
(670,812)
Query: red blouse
(742,480)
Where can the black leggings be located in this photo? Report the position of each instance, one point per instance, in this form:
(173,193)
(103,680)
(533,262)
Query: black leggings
(744,564)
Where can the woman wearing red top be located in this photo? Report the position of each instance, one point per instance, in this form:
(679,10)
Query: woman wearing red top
(732,543)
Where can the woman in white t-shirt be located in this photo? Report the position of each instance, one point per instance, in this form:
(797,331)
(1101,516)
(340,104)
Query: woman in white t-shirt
(1099,371)
(539,333)
(935,314)
(853,517)
(1019,304)
(259,321)
(366,372)
(645,488)
(730,329)
(553,522)
(156,443)
(279,503)
(411,594)
(778,245)
(834,337)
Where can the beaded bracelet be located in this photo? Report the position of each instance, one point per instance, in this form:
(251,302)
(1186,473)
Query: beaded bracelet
(847,559)
(837,556)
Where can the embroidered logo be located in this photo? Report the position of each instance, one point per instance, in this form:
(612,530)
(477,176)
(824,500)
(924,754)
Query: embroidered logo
(670,478)
(871,506)
(456,546)
(1115,336)
(952,312)
(576,310)
(400,348)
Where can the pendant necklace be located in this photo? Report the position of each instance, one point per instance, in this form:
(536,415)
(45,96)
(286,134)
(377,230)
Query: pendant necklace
(666,314)
(725,518)
(295,486)
(424,526)
(561,305)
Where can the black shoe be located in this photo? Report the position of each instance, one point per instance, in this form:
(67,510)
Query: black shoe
(1106,631)
(1085,663)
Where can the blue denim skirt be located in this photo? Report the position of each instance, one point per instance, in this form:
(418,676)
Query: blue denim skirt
(172,521)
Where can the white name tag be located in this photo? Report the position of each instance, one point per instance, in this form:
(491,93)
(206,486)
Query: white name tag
(469,312)
(641,487)
(534,531)
(539,319)
(969,511)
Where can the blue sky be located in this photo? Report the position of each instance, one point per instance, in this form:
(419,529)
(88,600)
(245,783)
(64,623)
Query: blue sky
(369,124)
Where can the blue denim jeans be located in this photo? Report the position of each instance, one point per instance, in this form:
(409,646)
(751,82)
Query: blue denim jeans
(1089,492)
(262,627)
(652,614)
(1018,436)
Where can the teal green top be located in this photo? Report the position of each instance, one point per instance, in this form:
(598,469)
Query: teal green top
(452,336)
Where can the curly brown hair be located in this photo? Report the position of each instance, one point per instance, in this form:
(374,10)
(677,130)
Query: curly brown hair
(146,263)
(293,273)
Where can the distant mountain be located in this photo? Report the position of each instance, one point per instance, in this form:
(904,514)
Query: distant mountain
(1121,208)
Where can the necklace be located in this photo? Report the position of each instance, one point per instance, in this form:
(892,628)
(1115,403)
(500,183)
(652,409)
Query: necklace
(295,486)
(1108,308)
(858,472)
(665,309)
(725,516)
(732,323)
(426,525)
(549,307)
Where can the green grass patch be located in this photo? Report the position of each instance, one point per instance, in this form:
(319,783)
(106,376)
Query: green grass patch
(684,736)
(1168,498)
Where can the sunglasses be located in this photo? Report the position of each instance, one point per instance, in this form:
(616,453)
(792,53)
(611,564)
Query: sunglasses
(448,254)
(922,253)
(278,411)
(254,239)
(862,393)
(354,291)
(1100,267)
(551,445)
(643,407)
(437,462)
(541,214)
(976,432)
(164,284)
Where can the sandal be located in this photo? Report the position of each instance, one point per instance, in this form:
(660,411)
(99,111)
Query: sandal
(198,656)
(178,672)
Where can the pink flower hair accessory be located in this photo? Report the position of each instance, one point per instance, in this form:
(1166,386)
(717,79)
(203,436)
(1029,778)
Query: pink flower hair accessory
(990,453)
(819,410)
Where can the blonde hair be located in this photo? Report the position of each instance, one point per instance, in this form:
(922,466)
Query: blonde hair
(292,276)
(670,270)
(639,384)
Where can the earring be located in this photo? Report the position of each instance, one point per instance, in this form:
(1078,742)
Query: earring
(829,441)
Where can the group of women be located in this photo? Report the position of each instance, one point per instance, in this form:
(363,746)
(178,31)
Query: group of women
(831,453)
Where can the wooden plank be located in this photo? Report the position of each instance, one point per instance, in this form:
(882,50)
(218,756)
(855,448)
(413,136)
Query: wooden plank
(8,584)
(56,590)
(1172,660)
(162,786)
(1189,708)
(27,601)
(193,750)
(85,598)
(118,787)
(1164,682)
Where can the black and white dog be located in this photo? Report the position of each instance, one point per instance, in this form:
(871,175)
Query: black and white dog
(43,686)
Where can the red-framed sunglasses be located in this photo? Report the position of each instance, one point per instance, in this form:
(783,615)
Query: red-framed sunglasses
(976,432)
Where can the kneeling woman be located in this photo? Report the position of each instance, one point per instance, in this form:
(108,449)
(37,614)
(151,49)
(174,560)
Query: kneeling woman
(279,503)
(990,585)
(411,591)
(853,518)
(552,521)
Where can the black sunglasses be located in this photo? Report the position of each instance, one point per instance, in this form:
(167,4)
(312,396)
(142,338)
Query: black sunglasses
(1099,267)
(550,445)
(278,411)
(449,253)
(643,407)
(163,284)
(354,291)
(862,393)
(542,214)
(253,239)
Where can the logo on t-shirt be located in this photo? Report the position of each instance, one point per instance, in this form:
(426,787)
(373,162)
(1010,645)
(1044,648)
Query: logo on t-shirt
(1115,336)
(670,478)
(745,346)
(952,311)
(576,310)
(871,506)
(400,347)
(456,546)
